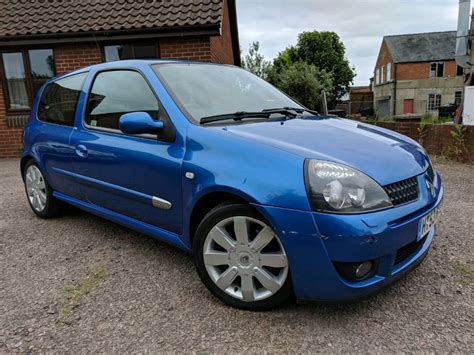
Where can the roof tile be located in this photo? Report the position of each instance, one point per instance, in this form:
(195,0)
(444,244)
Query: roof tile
(422,47)
(21,17)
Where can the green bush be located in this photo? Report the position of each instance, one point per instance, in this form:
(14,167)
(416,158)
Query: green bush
(428,118)
(422,132)
(326,51)
(304,82)
(457,149)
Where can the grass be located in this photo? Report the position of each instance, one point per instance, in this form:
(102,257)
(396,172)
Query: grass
(74,294)
(466,272)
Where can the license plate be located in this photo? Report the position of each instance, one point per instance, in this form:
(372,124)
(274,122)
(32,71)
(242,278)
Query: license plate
(427,222)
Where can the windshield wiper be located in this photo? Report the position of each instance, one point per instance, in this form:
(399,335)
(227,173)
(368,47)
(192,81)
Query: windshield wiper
(240,115)
(296,109)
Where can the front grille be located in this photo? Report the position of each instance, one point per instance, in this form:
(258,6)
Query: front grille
(403,191)
(406,251)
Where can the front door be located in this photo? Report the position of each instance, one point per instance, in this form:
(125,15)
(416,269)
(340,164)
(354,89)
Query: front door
(138,176)
(383,108)
(408,106)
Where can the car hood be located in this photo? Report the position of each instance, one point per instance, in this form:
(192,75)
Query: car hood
(384,155)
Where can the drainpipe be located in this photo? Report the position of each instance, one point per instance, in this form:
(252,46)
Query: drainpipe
(395,67)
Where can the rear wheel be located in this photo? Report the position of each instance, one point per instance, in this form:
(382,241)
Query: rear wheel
(39,193)
(241,260)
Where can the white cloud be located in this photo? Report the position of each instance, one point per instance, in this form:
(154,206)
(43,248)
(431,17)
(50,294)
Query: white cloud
(360,23)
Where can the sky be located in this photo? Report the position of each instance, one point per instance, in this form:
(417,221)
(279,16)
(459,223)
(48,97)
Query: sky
(361,24)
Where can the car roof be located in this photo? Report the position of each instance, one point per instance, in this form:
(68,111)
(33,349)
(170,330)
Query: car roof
(131,63)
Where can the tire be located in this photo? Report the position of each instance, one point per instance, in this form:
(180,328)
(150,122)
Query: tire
(241,260)
(39,193)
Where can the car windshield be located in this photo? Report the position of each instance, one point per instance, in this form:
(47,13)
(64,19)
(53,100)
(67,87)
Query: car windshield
(205,90)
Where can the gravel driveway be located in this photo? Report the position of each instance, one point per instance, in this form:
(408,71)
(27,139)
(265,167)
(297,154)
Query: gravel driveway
(82,284)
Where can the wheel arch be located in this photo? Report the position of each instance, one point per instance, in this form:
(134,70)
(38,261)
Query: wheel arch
(24,160)
(208,201)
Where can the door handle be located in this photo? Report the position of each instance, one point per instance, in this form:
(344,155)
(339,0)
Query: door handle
(82,151)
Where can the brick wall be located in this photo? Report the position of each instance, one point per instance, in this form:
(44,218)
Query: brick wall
(10,138)
(420,71)
(197,48)
(437,139)
(72,57)
(383,59)
(221,46)
(361,99)
(450,68)
(413,71)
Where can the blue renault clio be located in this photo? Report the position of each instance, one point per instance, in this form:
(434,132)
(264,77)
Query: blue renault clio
(274,201)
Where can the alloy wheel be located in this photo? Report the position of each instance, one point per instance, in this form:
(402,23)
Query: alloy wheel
(36,188)
(244,258)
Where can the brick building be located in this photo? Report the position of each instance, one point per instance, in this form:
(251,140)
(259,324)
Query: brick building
(361,100)
(416,74)
(42,39)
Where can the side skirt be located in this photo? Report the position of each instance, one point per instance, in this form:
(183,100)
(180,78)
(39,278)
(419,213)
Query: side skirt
(155,232)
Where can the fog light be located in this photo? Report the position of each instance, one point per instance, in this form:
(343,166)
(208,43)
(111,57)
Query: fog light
(363,270)
(356,271)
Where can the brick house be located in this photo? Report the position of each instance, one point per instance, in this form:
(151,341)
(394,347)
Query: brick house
(416,74)
(42,39)
(361,100)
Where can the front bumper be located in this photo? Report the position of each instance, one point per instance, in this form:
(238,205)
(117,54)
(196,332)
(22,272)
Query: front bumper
(313,241)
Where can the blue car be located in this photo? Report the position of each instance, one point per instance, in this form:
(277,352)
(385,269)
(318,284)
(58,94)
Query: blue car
(274,201)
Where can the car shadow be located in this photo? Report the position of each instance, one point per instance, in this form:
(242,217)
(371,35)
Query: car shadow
(179,260)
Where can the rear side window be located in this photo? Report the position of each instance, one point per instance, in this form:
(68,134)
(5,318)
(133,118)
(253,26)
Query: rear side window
(118,92)
(59,100)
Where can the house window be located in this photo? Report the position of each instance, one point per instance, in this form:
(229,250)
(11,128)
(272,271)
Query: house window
(458,98)
(434,102)
(382,74)
(437,70)
(460,71)
(131,51)
(377,77)
(389,71)
(24,72)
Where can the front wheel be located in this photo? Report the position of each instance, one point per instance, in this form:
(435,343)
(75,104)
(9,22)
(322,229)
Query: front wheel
(241,260)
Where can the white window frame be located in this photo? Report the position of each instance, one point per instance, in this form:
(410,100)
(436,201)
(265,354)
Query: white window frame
(434,73)
(377,76)
(382,74)
(389,72)
(434,102)
(456,96)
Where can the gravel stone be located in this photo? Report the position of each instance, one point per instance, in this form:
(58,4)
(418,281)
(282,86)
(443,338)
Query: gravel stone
(151,298)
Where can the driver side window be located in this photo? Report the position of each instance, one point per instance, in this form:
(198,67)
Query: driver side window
(115,93)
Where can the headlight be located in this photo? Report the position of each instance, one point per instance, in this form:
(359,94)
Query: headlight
(338,188)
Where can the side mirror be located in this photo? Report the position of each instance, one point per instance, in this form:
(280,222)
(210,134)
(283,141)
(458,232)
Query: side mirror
(139,123)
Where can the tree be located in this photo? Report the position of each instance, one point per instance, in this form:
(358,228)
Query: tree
(326,52)
(255,62)
(304,82)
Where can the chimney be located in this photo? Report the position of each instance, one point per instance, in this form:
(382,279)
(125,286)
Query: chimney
(462,40)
